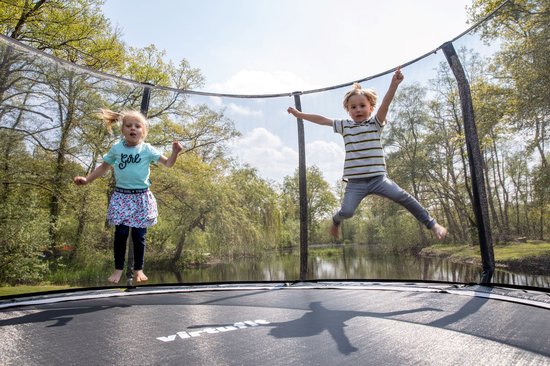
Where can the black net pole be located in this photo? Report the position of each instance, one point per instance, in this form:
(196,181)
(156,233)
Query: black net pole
(144,109)
(481,210)
(146,96)
(303,191)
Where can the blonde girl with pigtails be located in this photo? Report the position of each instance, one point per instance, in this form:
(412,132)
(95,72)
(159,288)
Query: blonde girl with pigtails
(132,207)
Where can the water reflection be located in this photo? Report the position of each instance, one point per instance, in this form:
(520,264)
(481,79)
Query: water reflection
(344,262)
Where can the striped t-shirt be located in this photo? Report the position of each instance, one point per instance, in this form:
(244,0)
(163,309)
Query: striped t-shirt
(364,151)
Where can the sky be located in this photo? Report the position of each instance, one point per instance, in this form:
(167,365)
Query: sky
(280,46)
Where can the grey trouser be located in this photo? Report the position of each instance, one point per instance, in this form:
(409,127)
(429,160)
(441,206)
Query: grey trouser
(381,185)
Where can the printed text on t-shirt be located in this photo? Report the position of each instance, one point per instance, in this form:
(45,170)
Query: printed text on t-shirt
(128,159)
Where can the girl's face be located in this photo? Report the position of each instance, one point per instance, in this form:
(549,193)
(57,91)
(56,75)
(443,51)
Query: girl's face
(359,108)
(133,130)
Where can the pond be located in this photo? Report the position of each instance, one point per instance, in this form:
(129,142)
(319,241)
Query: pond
(349,262)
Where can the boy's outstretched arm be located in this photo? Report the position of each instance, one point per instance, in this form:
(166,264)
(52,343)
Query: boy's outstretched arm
(315,118)
(385,105)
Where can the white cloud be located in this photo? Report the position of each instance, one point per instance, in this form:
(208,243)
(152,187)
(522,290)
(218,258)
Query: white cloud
(234,109)
(266,152)
(328,156)
(242,110)
(217,101)
(274,160)
(261,82)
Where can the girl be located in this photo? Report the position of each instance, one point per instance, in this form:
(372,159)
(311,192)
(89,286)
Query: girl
(365,166)
(132,205)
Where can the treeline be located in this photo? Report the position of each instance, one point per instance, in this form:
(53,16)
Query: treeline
(211,206)
(426,144)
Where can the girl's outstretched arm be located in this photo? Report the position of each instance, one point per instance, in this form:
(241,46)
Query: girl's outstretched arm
(170,161)
(96,173)
(315,118)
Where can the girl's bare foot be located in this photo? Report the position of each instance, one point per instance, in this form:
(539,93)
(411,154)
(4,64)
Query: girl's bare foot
(140,276)
(115,276)
(439,231)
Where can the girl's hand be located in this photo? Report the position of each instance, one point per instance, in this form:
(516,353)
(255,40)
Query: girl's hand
(176,147)
(80,181)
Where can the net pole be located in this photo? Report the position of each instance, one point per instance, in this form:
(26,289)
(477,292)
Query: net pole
(481,210)
(144,109)
(303,191)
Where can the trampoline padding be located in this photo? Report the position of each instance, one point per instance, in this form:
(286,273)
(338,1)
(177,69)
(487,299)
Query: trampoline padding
(277,327)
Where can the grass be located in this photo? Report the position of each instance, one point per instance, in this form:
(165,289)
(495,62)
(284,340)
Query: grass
(504,253)
(325,252)
(65,277)
(24,289)
(517,251)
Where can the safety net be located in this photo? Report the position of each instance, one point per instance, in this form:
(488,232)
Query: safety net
(232,208)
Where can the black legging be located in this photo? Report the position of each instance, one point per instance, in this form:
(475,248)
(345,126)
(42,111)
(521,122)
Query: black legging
(138,238)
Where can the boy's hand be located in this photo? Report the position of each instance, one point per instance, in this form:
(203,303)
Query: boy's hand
(397,77)
(80,181)
(294,112)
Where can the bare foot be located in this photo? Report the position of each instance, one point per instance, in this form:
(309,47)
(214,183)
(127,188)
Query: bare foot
(115,276)
(439,231)
(334,231)
(140,276)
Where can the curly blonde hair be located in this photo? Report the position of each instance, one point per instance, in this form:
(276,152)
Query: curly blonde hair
(110,118)
(370,94)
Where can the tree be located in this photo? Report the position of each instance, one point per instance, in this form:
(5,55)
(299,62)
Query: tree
(522,66)
(409,163)
(320,200)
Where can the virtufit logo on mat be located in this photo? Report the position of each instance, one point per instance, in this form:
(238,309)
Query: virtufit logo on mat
(205,331)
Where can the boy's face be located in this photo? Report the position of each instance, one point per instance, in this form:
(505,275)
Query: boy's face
(359,108)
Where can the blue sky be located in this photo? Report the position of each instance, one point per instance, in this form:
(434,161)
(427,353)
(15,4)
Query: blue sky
(278,46)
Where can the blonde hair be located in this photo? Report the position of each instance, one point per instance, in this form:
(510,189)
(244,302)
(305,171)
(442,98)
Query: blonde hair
(370,94)
(110,117)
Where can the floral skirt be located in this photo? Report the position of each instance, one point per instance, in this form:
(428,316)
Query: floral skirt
(132,209)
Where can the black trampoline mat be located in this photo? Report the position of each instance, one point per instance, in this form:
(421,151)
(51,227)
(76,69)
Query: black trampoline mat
(299,325)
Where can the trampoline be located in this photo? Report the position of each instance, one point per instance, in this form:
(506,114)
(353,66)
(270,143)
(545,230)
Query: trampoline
(302,323)
(295,322)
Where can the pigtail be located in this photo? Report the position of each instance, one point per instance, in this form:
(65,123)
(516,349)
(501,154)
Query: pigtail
(110,117)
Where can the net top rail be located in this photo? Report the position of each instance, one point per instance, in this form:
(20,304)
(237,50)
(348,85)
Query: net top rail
(70,65)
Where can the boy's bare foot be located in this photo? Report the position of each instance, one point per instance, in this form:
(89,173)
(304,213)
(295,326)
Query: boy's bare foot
(334,231)
(439,231)
(115,276)
(140,276)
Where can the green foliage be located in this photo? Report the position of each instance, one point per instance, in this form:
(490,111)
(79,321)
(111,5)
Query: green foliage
(396,232)
(212,208)
(23,239)
(93,272)
(321,202)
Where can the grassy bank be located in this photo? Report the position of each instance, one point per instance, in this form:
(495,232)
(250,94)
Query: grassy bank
(93,272)
(24,289)
(531,257)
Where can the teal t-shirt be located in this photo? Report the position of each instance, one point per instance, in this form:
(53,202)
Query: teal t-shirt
(131,164)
